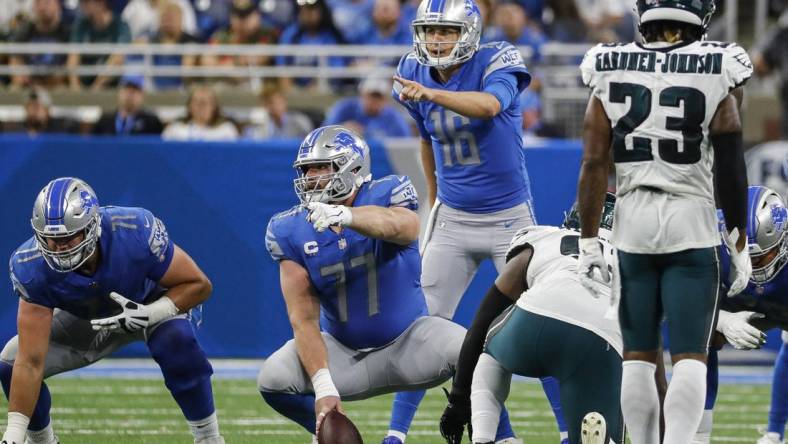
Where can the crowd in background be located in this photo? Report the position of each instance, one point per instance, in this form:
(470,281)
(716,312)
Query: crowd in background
(527,23)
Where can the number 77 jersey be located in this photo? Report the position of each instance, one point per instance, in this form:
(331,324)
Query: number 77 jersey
(660,101)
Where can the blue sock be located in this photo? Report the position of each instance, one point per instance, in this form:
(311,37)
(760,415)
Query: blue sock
(778,412)
(187,372)
(404,408)
(40,418)
(553,392)
(712,378)
(504,426)
(299,408)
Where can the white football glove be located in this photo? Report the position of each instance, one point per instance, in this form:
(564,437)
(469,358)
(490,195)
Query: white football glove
(590,259)
(136,316)
(741,267)
(323,215)
(739,332)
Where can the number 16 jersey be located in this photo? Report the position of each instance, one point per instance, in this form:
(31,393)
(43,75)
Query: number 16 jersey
(660,99)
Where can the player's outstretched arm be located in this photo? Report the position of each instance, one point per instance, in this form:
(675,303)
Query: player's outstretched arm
(397,225)
(473,104)
(303,310)
(34,323)
(187,285)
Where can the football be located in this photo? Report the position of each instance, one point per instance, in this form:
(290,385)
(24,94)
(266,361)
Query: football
(338,429)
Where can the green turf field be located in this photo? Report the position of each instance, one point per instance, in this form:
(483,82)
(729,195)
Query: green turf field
(121,411)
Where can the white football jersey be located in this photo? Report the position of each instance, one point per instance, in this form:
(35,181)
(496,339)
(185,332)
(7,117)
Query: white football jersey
(660,100)
(554,290)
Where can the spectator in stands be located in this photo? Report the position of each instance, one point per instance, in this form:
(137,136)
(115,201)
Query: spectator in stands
(97,24)
(12,14)
(246,28)
(771,55)
(370,115)
(130,118)
(279,123)
(46,26)
(389,29)
(171,32)
(314,27)
(204,119)
(38,116)
(353,18)
(212,15)
(143,17)
(607,21)
(513,25)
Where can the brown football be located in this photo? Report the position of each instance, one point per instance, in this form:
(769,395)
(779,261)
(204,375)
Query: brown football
(338,429)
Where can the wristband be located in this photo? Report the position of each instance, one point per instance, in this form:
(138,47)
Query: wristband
(161,310)
(323,385)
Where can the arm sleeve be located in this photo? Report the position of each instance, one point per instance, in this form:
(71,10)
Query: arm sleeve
(731,178)
(503,86)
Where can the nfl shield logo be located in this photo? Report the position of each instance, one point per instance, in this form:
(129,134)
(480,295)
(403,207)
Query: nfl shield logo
(342,244)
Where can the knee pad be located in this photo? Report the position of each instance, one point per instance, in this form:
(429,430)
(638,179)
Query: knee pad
(181,359)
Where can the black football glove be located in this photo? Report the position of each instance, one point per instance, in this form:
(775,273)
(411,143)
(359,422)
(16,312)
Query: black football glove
(455,417)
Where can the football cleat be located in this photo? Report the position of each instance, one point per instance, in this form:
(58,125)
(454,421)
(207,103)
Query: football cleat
(770,438)
(593,429)
(391,440)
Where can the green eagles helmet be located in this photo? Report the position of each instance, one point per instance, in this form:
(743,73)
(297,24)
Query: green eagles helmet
(694,12)
(572,218)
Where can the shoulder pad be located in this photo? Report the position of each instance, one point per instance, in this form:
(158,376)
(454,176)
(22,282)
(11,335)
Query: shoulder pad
(588,65)
(500,55)
(736,65)
(527,236)
(398,191)
(407,65)
(279,230)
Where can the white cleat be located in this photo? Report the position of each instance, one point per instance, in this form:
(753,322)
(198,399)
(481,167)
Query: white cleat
(510,441)
(770,438)
(593,429)
(211,440)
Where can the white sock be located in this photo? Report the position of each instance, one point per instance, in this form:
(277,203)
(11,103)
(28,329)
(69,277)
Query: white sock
(397,434)
(205,428)
(489,390)
(43,436)
(685,400)
(703,435)
(640,402)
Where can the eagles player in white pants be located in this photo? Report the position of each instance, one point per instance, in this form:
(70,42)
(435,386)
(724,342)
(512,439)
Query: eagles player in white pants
(668,108)
(555,329)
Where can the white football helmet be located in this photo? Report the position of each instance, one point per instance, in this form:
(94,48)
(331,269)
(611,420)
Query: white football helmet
(462,14)
(63,208)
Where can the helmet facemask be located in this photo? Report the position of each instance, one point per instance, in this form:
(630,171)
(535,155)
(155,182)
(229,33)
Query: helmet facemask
(332,187)
(768,269)
(71,259)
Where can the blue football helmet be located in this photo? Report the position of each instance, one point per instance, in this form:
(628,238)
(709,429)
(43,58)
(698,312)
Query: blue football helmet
(64,208)
(462,14)
(344,151)
(767,223)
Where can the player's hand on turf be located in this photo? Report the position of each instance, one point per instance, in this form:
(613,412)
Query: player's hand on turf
(741,267)
(590,259)
(455,417)
(413,91)
(133,318)
(323,215)
(739,332)
(325,405)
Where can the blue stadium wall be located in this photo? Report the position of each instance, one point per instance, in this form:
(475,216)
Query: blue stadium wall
(216,199)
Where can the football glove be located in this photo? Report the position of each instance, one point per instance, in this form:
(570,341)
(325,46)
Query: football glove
(455,417)
(136,316)
(741,267)
(739,332)
(323,215)
(591,258)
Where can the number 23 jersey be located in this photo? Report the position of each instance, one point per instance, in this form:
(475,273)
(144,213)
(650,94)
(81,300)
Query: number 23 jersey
(660,100)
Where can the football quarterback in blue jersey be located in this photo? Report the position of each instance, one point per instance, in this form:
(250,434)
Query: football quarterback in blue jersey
(91,280)
(464,98)
(349,266)
(761,306)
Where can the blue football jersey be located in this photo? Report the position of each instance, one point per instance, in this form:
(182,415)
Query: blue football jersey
(135,253)
(479,163)
(369,289)
(770,298)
